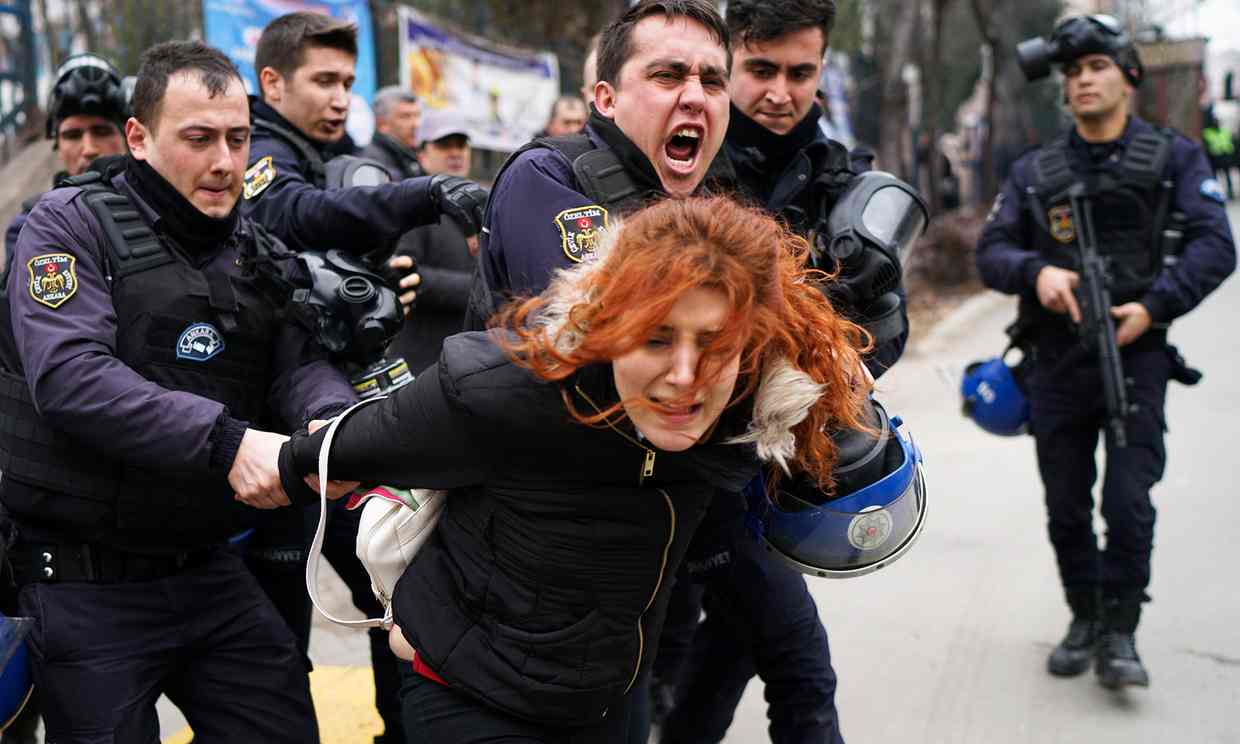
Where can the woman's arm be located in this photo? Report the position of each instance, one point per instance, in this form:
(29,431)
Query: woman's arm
(415,438)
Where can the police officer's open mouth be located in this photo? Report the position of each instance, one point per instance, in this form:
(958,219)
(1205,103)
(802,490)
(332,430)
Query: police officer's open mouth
(684,144)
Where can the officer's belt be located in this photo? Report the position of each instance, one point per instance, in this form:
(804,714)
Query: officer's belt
(36,560)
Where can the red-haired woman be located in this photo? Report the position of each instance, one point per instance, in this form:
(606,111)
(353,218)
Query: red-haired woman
(583,437)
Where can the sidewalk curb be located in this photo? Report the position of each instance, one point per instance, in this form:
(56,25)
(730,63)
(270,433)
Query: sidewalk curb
(971,313)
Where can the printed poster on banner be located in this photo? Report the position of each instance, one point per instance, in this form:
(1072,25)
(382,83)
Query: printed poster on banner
(504,93)
(235,25)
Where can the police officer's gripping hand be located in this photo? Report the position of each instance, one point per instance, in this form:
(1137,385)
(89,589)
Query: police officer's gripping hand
(255,474)
(1055,287)
(461,199)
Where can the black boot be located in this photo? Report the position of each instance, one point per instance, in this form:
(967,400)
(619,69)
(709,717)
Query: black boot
(1073,654)
(1118,664)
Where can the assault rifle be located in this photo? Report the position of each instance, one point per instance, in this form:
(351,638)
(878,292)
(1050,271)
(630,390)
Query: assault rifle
(1097,326)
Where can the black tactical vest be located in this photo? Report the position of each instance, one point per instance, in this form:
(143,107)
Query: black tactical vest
(206,331)
(1130,196)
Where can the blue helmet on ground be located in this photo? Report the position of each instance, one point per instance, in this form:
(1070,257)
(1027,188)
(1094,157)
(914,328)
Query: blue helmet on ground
(875,517)
(16,680)
(993,397)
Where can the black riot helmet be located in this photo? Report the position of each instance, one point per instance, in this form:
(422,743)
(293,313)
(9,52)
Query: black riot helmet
(1076,37)
(87,84)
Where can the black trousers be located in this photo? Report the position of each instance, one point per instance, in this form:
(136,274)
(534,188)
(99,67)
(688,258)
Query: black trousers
(207,637)
(277,556)
(1067,412)
(760,619)
(441,715)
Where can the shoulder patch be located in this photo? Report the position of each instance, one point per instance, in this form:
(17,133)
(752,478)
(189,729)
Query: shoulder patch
(579,230)
(1062,228)
(199,342)
(53,278)
(259,177)
(1211,190)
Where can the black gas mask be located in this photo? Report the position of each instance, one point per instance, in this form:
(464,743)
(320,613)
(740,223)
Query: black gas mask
(865,238)
(1076,37)
(355,314)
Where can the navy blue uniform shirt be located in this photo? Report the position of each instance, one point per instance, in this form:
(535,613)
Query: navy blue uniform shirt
(527,238)
(80,386)
(1009,264)
(281,195)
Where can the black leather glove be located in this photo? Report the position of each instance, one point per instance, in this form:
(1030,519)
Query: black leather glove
(462,200)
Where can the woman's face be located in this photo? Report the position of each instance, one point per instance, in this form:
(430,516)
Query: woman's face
(664,370)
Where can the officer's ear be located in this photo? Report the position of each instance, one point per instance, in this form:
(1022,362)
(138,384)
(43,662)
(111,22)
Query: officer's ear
(138,138)
(271,85)
(605,99)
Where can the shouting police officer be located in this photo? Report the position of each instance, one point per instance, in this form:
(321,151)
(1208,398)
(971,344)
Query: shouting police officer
(660,112)
(760,615)
(1140,186)
(148,357)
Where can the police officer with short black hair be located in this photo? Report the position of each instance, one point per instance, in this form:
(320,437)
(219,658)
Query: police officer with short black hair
(136,427)
(1145,190)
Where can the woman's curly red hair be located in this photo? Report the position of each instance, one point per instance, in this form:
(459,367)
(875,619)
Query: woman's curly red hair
(662,252)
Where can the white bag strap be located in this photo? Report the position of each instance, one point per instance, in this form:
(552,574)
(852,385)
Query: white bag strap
(316,547)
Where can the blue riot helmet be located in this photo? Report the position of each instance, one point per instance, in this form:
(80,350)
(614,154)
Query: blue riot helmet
(16,680)
(876,515)
(993,397)
(87,84)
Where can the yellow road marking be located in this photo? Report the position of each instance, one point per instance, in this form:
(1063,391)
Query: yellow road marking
(344,701)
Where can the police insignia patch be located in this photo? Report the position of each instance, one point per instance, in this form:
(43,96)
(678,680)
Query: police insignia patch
(53,278)
(1211,190)
(870,529)
(579,230)
(1060,219)
(258,177)
(199,342)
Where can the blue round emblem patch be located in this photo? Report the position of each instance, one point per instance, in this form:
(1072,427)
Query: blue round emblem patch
(199,342)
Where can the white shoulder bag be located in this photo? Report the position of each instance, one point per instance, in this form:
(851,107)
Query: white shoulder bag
(394,525)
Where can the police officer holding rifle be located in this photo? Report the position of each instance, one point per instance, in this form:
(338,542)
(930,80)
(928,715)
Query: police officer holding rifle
(1108,233)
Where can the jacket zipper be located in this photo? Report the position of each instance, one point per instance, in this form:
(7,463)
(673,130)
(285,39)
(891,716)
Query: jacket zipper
(647,469)
(667,547)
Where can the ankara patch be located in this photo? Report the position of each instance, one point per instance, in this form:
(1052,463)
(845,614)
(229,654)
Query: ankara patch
(1062,228)
(579,230)
(53,278)
(199,342)
(259,177)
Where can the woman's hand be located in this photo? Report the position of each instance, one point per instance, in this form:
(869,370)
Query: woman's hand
(398,644)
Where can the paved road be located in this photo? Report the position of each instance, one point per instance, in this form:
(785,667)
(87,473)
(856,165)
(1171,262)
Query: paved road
(949,644)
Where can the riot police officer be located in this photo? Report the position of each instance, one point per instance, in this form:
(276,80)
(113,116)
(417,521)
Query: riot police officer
(150,360)
(760,615)
(85,114)
(1142,187)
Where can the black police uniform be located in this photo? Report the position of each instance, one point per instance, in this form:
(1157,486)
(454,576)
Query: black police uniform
(285,192)
(760,615)
(1136,198)
(141,362)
